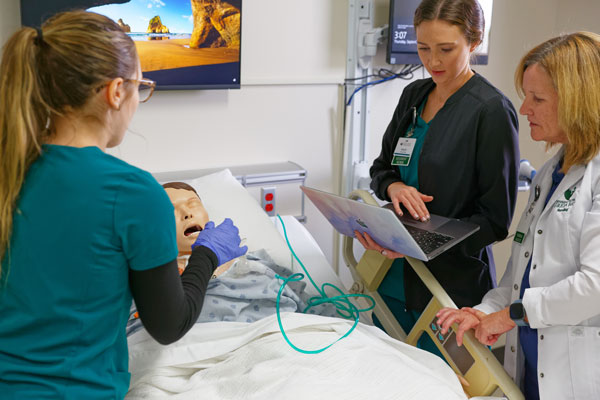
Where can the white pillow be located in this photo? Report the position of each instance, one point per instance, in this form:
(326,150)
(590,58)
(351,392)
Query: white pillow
(224,197)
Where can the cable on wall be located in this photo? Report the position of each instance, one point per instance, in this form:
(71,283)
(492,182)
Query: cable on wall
(384,75)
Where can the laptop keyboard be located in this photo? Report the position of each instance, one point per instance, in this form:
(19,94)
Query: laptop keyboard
(427,240)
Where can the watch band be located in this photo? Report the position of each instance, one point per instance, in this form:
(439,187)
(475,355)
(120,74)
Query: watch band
(517,313)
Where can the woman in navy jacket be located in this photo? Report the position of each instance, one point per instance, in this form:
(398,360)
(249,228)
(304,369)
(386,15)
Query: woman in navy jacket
(464,160)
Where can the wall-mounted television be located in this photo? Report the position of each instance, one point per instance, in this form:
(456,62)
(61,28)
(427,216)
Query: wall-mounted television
(402,38)
(182,44)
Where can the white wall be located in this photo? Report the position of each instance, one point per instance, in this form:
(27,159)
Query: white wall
(578,15)
(291,102)
(10,18)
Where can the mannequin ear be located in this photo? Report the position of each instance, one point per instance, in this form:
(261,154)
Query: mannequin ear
(115,93)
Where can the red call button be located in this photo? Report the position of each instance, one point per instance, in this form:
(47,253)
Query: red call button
(269,207)
(269,197)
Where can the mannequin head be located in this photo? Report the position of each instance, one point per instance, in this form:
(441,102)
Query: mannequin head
(190,214)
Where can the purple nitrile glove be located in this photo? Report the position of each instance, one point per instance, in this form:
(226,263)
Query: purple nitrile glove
(224,240)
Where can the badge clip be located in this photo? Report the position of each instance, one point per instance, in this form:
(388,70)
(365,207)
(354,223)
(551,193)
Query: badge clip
(414,122)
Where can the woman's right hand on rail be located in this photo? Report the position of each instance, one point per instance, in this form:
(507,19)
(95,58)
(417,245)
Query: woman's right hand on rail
(224,240)
(466,318)
(369,244)
(411,198)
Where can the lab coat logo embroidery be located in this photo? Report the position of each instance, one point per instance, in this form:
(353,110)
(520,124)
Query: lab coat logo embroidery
(569,193)
(565,205)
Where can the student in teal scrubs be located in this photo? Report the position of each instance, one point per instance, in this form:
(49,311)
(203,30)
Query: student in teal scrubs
(462,135)
(82,232)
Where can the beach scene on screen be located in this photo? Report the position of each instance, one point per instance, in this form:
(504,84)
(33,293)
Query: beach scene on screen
(172,34)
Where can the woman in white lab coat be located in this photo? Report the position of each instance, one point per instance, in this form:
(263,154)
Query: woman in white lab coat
(551,289)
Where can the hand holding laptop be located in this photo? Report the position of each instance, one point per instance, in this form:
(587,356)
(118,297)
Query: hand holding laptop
(383,230)
(411,198)
(369,244)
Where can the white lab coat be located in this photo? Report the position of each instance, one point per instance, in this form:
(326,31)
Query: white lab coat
(563,302)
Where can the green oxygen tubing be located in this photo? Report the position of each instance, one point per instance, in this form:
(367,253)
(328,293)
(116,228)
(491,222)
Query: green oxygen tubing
(342,303)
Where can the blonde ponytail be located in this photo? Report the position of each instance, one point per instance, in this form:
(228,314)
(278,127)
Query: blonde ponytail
(22,112)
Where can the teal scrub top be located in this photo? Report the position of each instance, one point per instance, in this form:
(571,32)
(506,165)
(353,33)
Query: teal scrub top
(393,283)
(83,219)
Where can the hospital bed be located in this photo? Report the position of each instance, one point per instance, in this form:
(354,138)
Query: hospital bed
(239,360)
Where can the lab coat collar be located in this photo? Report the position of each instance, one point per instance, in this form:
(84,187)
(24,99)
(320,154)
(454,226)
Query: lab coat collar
(574,175)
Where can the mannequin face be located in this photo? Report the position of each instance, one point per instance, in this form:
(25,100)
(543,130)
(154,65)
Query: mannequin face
(190,217)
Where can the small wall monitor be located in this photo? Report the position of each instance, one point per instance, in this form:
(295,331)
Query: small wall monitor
(180,46)
(402,38)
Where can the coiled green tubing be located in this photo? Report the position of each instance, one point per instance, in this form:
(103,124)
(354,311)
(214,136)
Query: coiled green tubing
(345,308)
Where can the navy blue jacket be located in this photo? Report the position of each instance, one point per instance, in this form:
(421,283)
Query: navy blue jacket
(469,163)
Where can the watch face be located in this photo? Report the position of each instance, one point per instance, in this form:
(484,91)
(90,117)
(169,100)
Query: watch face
(516,311)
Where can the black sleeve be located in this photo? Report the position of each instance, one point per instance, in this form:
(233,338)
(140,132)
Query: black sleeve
(497,164)
(169,304)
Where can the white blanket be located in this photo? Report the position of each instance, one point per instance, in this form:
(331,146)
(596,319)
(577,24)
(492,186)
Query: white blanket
(234,360)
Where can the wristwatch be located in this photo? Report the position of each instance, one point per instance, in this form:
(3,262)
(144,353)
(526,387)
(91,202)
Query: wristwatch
(517,313)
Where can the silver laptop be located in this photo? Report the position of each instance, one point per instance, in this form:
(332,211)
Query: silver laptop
(405,235)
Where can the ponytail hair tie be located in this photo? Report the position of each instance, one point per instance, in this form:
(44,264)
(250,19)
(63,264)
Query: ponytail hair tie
(39,39)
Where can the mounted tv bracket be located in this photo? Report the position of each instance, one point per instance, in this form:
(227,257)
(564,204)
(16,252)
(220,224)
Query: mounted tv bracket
(368,39)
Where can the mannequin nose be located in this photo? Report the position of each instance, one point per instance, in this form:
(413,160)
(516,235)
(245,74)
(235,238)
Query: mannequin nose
(186,213)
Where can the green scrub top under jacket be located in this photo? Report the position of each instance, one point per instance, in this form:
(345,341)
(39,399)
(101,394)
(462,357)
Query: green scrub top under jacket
(393,283)
(83,219)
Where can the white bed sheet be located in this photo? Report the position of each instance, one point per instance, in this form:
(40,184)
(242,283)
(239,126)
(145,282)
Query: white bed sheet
(232,360)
